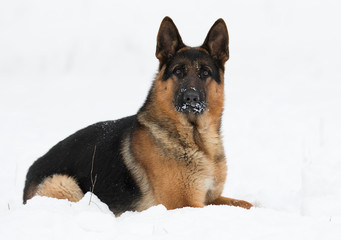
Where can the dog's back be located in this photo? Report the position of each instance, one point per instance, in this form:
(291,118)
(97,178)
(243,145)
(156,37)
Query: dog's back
(65,171)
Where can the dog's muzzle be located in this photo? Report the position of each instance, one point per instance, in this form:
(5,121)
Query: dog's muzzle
(190,101)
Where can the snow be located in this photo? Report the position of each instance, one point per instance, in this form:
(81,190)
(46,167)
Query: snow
(67,64)
(60,219)
(194,107)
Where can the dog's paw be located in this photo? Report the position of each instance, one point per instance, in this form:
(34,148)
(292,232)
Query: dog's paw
(243,204)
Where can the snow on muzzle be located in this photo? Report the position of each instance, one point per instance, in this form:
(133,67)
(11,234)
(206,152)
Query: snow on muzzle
(190,101)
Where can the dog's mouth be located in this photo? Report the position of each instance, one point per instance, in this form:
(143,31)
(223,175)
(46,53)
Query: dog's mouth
(196,108)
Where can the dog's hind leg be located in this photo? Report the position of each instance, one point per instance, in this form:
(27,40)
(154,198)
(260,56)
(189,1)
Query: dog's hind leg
(231,202)
(61,187)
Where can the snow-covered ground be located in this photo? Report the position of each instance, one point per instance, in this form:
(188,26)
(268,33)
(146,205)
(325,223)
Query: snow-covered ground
(45,218)
(67,64)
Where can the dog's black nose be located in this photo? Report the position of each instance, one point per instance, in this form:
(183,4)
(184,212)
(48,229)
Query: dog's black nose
(191,97)
(190,100)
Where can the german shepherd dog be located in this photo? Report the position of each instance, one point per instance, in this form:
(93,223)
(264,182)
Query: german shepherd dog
(169,153)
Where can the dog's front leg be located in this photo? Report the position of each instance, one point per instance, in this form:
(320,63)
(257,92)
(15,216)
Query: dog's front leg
(231,202)
(184,202)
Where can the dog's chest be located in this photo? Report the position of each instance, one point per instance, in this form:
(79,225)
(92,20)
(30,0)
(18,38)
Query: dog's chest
(209,183)
(201,173)
(207,177)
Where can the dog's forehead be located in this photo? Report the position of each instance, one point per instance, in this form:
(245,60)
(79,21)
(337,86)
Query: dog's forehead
(193,56)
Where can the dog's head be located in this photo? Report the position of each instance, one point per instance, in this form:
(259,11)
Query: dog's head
(191,79)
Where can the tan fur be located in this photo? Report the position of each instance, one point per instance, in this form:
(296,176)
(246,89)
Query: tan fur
(139,175)
(61,187)
(232,202)
(172,182)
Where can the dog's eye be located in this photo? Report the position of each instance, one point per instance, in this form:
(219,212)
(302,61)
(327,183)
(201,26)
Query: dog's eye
(179,71)
(204,73)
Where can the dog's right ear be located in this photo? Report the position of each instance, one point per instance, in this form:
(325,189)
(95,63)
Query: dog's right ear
(168,41)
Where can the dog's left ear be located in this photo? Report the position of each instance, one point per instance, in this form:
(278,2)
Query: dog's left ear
(217,42)
(168,41)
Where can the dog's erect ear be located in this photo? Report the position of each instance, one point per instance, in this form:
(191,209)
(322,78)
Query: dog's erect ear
(168,41)
(217,42)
